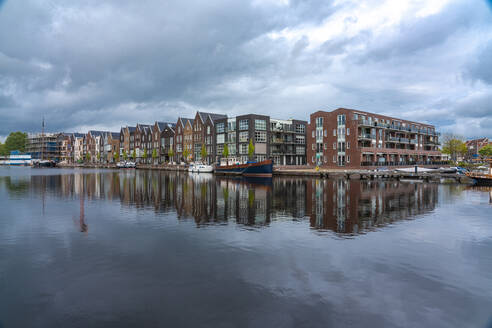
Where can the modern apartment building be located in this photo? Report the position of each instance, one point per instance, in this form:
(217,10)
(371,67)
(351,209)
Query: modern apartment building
(353,139)
(288,141)
(474,146)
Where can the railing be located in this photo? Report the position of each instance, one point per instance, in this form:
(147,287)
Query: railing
(414,141)
(367,136)
(403,163)
(395,139)
(365,122)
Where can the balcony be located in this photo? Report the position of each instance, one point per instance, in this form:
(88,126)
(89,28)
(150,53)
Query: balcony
(366,122)
(392,139)
(367,136)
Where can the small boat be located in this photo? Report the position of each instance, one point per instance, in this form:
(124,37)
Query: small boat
(482,179)
(258,169)
(191,167)
(126,165)
(43,163)
(412,170)
(202,168)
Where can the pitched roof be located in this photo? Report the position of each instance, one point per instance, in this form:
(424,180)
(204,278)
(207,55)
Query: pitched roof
(96,133)
(185,120)
(131,128)
(164,125)
(115,135)
(213,116)
(78,135)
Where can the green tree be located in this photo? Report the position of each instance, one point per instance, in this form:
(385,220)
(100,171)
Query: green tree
(154,155)
(204,152)
(251,149)
(186,153)
(145,155)
(15,141)
(88,157)
(125,155)
(98,156)
(454,146)
(170,153)
(116,157)
(486,151)
(134,154)
(2,149)
(225,152)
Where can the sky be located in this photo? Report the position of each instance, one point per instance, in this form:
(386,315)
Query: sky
(91,64)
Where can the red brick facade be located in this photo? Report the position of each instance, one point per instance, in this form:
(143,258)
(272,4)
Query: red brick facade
(353,139)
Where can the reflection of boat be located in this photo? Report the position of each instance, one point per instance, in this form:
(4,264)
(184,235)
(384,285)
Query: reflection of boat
(483,179)
(412,170)
(259,169)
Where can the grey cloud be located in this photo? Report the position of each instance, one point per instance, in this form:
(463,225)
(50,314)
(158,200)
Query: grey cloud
(91,63)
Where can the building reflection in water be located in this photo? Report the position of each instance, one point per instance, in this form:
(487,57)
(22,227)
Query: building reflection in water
(343,206)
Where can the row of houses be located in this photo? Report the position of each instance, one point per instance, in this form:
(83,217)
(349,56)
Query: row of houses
(340,138)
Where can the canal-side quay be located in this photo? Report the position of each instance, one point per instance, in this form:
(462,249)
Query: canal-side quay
(304,171)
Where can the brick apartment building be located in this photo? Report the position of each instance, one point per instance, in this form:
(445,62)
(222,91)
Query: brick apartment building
(203,135)
(353,139)
(163,140)
(473,147)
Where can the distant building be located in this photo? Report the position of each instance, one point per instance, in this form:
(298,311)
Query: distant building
(353,139)
(474,146)
(44,146)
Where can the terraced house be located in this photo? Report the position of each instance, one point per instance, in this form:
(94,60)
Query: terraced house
(203,135)
(163,140)
(179,137)
(354,139)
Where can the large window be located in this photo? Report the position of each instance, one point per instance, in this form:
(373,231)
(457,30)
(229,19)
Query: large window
(319,122)
(220,138)
(231,136)
(231,125)
(232,149)
(260,136)
(220,127)
(300,140)
(243,125)
(260,125)
(300,150)
(243,136)
(243,148)
(300,128)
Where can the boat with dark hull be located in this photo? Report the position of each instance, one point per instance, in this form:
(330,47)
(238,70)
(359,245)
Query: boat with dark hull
(253,169)
(43,163)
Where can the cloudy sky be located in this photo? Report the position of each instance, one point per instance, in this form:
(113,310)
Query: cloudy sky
(91,64)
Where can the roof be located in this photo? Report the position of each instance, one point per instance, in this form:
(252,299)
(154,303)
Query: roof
(163,125)
(96,133)
(481,140)
(213,116)
(78,135)
(115,135)
(186,120)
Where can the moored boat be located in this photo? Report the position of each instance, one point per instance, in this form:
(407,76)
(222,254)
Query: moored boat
(482,179)
(258,169)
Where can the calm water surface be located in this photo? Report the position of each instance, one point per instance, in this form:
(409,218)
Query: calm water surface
(89,248)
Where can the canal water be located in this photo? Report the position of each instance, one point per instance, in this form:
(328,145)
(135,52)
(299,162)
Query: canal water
(136,248)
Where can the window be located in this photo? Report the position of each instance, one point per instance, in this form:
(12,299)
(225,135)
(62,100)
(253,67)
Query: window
(300,128)
(313,146)
(300,140)
(326,133)
(220,149)
(312,133)
(319,122)
(348,131)
(348,158)
(260,136)
(356,116)
(334,158)
(326,146)
(220,127)
(243,148)
(243,125)
(232,149)
(299,150)
(208,129)
(260,125)
(243,136)
(220,138)
(334,145)
(348,144)
(334,132)
(231,125)
(231,136)
(341,119)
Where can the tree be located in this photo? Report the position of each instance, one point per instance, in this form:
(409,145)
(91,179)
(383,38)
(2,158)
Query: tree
(486,151)
(116,157)
(134,154)
(225,152)
(454,146)
(170,153)
(204,152)
(186,153)
(251,149)
(154,155)
(15,141)
(125,155)
(98,156)
(88,157)
(2,149)
(145,155)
